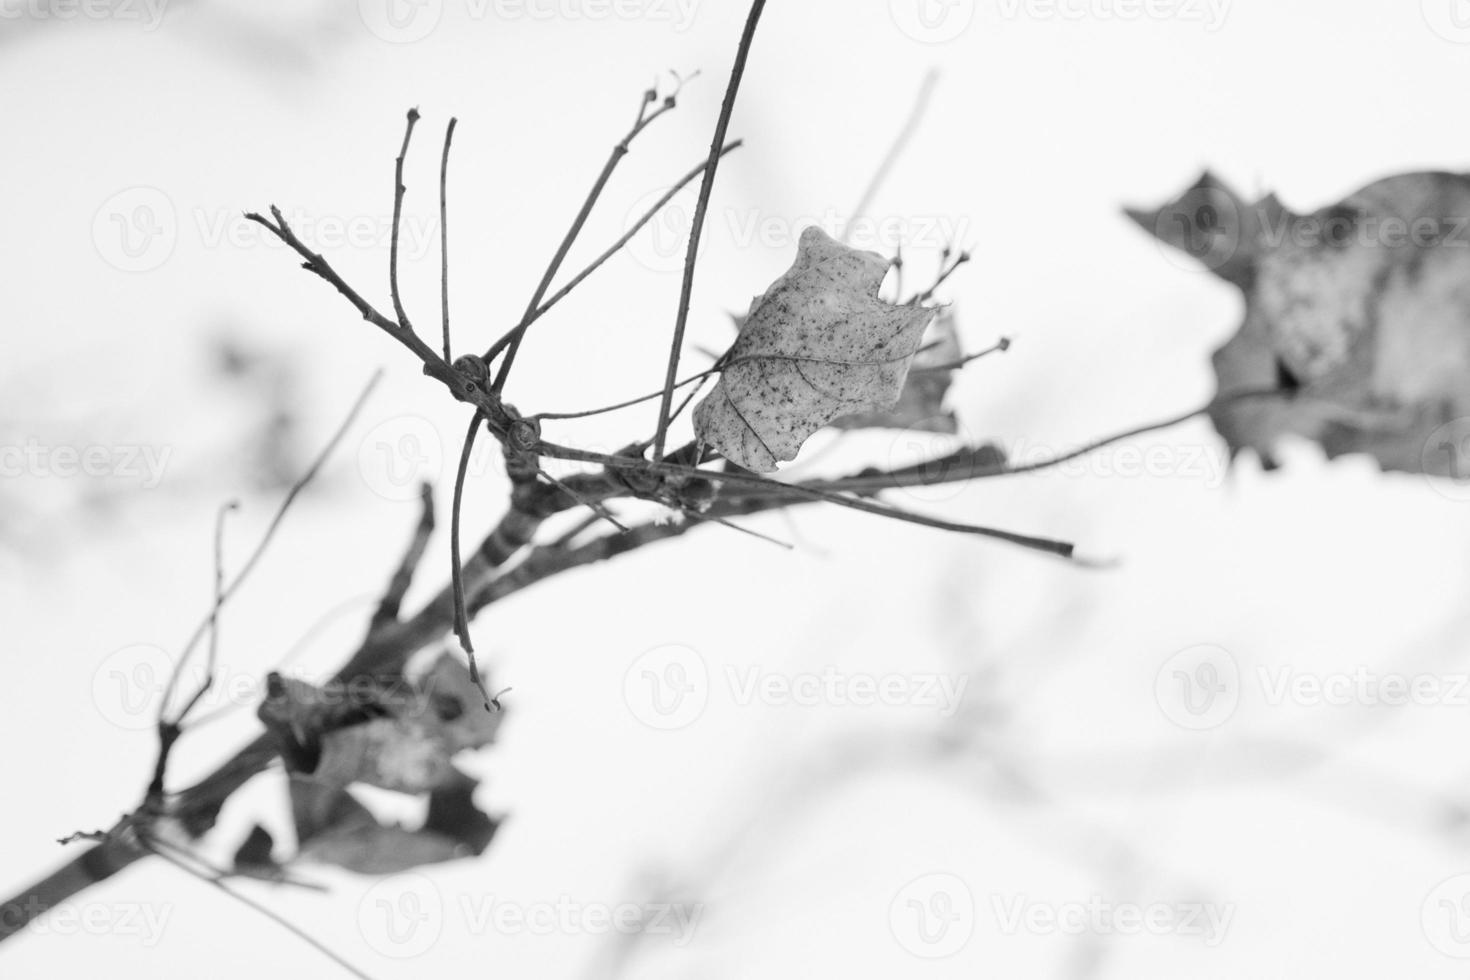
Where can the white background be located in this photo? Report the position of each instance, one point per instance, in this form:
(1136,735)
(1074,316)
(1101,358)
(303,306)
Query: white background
(1072,777)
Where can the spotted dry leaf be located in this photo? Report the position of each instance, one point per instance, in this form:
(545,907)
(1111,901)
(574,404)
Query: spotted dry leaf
(817,345)
(921,406)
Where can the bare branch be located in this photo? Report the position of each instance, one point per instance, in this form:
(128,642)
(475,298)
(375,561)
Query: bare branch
(696,225)
(512,341)
(398,191)
(900,143)
(627,236)
(271,529)
(392,601)
(444,236)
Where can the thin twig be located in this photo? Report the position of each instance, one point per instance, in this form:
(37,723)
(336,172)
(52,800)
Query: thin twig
(597,508)
(159,847)
(999,347)
(518,332)
(270,530)
(696,226)
(627,236)
(212,658)
(317,264)
(621,405)
(944,273)
(444,235)
(900,143)
(952,468)
(392,601)
(461,623)
(461,618)
(316,629)
(398,191)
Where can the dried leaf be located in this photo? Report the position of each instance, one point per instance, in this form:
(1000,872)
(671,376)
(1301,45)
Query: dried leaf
(407,755)
(818,344)
(1362,308)
(400,737)
(333,827)
(458,704)
(921,405)
(298,714)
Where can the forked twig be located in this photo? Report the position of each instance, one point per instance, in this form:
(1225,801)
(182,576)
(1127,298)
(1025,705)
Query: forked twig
(512,341)
(634,229)
(271,529)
